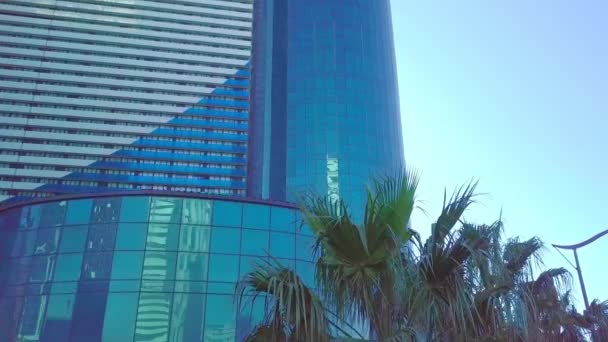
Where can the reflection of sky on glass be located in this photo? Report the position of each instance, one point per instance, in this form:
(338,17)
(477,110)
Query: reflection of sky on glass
(514,93)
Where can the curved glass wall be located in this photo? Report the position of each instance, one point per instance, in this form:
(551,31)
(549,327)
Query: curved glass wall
(138,268)
(342,109)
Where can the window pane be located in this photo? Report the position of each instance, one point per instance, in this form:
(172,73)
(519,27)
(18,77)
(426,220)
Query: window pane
(135,209)
(47,241)
(227,214)
(223,268)
(58,318)
(249,262)
(197,211)
(105,210)
(79,212)
(32,317)
(73,239)
(159,266)
(220,318)
(42,268)
(187,317)
(249,316)
(89,311)
(194,239)
(68,267)
(24,243)
(119,322)
(162,236)
(19,270)
(30,217)
(153,315)
(192,266)
(282,245)
(101,237)
(255,242)
(53,214)
(282,219)
(127,265)
(306,271)
(131,236)
(225,240)
(304,247)
(97,265)
(166,210)
(256,216)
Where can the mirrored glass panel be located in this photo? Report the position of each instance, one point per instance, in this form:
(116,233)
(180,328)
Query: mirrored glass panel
(256,216)
(131,236)
(194,238)
(135,209)
(119,321)
(79,212)
(227,214)
(166,210)
(225,240)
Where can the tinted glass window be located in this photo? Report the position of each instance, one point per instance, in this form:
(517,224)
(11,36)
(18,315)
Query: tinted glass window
(166,210)
(220,318)
(68,267)
(73,239)
(153,315)
(282,245)
(42,268)
(89,312)
(162,236)
(192,266)
(135,209)
(47,241)
(79,212)
(101,237)
(127,265)
(97,265)
(256,216)
(282,219)
(225,240)
(159,265)
(223,268)
(58,318)
(196,211)
(194,239)
(304,247)
(255,242)
(30,217)
(119,321)
(188,317)
(131,236)
(105,210)
(24,243)
(53,214)
(33,310)
(227,214)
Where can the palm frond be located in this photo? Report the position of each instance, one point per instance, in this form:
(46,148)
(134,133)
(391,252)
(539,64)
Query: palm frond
(296,312)
(517,254)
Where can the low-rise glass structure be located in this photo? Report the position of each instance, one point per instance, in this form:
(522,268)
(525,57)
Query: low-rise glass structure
(140,266)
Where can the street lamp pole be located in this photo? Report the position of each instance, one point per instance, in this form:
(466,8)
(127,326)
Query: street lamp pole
(578,265)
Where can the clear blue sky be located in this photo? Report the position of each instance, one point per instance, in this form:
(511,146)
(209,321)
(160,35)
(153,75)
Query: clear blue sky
(514,93)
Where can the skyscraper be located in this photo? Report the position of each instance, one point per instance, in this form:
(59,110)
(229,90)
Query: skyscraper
(101,96)
(324,100)
(128,140)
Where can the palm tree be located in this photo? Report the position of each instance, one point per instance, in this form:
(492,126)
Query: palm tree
(464,283)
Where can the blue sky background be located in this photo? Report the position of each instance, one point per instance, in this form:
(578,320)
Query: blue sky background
(514,93)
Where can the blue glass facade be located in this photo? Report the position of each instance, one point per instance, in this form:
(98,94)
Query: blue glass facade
(335,98)
(138,268)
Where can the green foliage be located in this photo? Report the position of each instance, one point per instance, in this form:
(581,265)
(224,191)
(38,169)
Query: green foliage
(464,283)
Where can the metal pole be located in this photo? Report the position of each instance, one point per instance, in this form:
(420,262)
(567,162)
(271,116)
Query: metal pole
(580,279)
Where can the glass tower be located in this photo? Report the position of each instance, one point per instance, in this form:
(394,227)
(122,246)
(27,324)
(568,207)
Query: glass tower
(324,98)
(100,95)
